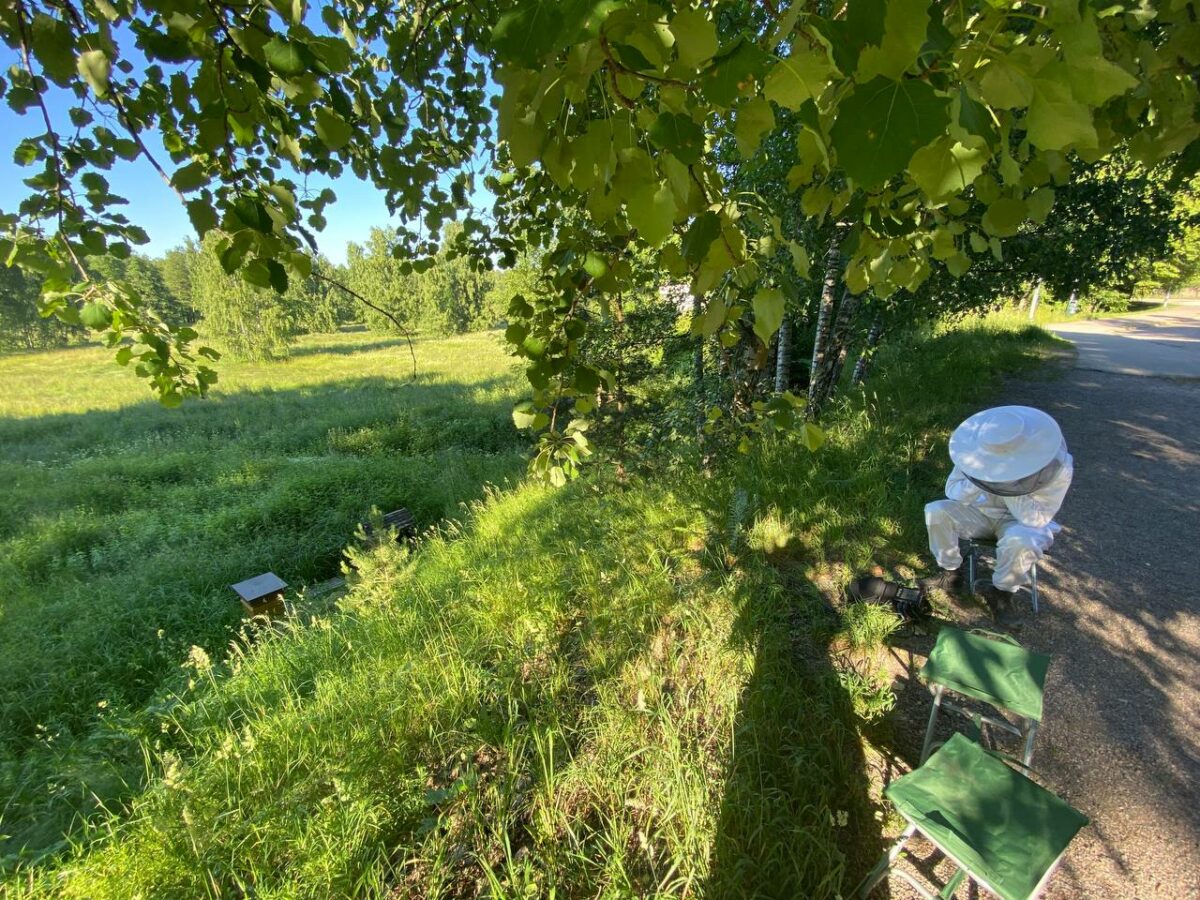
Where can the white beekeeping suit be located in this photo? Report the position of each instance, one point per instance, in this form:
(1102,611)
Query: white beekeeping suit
(1011,473)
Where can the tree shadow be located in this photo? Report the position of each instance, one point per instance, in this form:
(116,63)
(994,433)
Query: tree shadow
(796,813)
(800,813)
(351,349)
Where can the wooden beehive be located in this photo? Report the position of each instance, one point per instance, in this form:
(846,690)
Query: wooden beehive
(262,595)
(399,519)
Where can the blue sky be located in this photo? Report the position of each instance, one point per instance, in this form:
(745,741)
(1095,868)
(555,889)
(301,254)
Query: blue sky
(155,207)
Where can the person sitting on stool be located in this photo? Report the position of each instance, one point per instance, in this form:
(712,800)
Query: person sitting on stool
(1011,473)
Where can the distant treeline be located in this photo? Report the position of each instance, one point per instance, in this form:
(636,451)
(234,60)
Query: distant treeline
(188,286)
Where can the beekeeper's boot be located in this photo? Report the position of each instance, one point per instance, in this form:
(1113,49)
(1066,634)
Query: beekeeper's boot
(1004,607)
(951,581)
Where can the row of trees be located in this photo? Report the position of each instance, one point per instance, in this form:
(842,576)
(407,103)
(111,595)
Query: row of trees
(189,287)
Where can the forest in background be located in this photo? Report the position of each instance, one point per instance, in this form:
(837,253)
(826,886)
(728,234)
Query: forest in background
(187,286)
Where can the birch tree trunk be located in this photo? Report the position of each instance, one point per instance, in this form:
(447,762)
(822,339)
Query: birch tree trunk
(824,317)
(1037,297)
(698,373)
(783,355)
(839,342)
(863,366)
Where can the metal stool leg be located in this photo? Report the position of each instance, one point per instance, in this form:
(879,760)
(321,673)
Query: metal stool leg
(1033,587)
(933,714)
(884,865)
(1030,734)
(972,563)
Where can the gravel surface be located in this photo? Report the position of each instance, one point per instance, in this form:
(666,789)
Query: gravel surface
(1120,615)
(1164,342)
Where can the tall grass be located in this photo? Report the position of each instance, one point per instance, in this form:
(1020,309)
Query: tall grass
(622,688)
(122,524)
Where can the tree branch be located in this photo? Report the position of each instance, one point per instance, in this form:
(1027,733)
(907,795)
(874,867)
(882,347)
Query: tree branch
(383,312)
(60,181)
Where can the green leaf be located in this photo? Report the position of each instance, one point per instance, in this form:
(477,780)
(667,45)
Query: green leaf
(54,47)
(800,261)
(651,210)
(189,177)
(1056,120)
(1094,80)
(732,72)
(332,129)
(754,119)
(526,415)
(284,57)
(1006,85)
(768,313)
(679,134)
(705,229)
(526,34)
(291,10)
(631,57)
(695,37)
(27,151)
(882,124)
(1040,203)
(904,30)
(811,436)
(801,77)
(95,316)
(595,264)
(202,216)
(94,67)
(946,168)
(256,273)
(1004,217)
(714,317)
(958,264)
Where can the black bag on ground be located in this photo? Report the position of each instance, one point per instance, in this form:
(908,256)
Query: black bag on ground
(907,602)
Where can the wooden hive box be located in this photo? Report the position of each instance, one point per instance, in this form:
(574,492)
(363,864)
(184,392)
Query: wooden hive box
(400,519)
(262,595)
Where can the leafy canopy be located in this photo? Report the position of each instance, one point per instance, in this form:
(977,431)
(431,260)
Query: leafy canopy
(926,130)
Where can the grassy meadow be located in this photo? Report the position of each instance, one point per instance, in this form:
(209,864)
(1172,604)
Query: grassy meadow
(122,525)
(630,686)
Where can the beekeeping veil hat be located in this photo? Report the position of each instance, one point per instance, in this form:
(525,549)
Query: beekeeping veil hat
(1005,443)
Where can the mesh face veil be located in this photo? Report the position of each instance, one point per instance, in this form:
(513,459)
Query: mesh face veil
(1020,486)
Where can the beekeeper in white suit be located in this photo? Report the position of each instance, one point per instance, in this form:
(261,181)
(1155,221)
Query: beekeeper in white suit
(1011,473)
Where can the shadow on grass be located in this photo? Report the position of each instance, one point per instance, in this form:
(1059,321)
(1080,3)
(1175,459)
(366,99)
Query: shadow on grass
(796,812)
(321,348)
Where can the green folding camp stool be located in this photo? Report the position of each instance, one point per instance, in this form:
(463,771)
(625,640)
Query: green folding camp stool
(994,669)
(998,828)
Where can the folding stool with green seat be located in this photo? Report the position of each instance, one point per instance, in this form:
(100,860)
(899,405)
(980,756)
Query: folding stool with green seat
(995,670)
(999,828)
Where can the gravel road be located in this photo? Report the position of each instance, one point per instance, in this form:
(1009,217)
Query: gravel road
(1121,617)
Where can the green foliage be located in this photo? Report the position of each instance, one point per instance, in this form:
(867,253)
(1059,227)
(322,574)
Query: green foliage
(21,328)
(250,321)
(145,277)
(259,322)
(451,294)
(122,525)
(923,131)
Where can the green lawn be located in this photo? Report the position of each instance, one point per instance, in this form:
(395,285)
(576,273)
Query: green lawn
(122,525)
(627,687)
